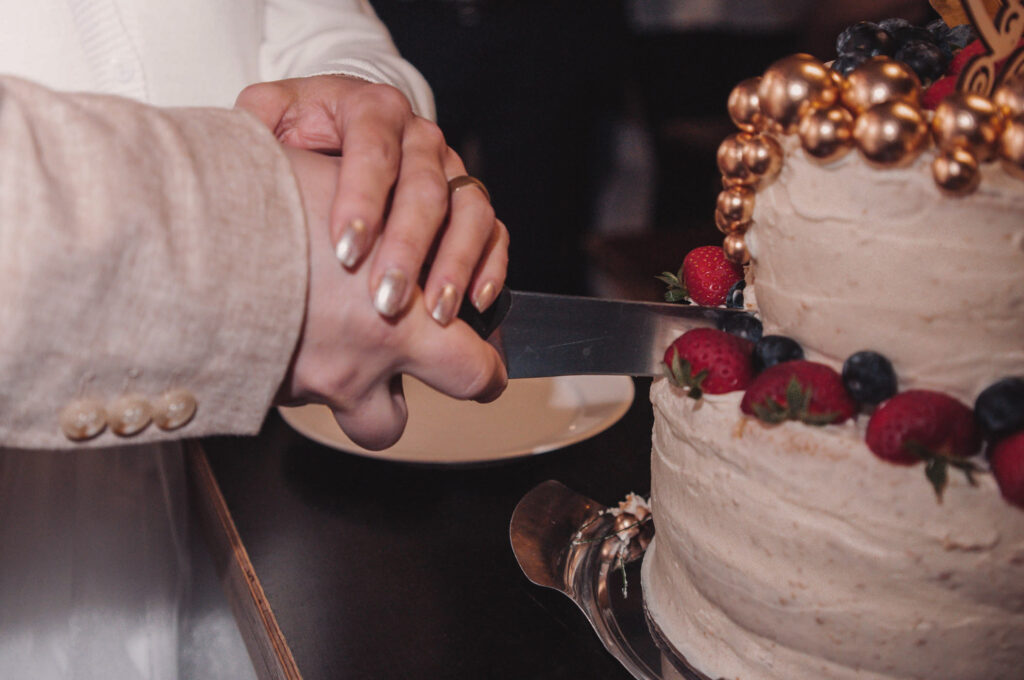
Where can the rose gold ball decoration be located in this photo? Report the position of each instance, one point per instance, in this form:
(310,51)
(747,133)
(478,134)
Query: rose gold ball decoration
(1011,147)
(956,171)
(826,134)
(792,86)
(736,248)
(735,208)
(730,161)
(744,107)
(879,80)
(970,121)
(891,135)
(763,155)
(1009,98)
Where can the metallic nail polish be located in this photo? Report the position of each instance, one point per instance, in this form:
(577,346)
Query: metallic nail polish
(444,310)
(350,245)
(485,297)
(390,292)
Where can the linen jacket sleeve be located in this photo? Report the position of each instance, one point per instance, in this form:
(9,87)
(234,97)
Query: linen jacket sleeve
(312,37)
(142,250)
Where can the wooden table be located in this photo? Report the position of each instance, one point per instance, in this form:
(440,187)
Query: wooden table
(341,567)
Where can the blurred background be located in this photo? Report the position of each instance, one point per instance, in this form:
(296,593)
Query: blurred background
(594,123)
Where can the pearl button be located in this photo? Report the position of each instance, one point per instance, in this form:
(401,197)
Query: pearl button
(129,415)
(83,419)
(174,409)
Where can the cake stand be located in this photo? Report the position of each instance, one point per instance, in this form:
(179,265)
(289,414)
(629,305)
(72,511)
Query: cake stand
(568,542)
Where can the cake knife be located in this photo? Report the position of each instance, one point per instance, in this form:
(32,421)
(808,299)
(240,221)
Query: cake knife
(541,335)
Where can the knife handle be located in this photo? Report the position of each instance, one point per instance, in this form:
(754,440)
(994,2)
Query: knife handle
(486,322)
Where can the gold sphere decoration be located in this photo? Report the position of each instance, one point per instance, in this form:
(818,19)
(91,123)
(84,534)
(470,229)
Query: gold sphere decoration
(1009,97)
(763,155)
(956,172)
(1011,147)
(891,135)
(744,107)
(970,121)
(735,206)
(792,86)
(735,248)
(877,81)
(730,161)
(826,134)
(729,226)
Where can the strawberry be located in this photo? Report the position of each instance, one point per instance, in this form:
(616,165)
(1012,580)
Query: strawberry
(960,59)
(705,277)
(1007,461)
(938,91)
(709,360)
(922,425)
(798,390)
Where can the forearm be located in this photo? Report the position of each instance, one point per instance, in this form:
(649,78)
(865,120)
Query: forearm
(143,250)
(310,37)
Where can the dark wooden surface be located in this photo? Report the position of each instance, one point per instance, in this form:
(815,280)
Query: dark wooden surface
(379,570)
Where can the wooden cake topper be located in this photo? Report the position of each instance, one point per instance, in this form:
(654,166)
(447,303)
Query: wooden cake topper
(999,26)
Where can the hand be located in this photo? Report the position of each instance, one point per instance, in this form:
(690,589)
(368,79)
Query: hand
(395,168)
(350,358)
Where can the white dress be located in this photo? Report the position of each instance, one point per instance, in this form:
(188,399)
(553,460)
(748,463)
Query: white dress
(95,548)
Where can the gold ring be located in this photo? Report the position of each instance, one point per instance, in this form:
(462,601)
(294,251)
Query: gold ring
(456,183)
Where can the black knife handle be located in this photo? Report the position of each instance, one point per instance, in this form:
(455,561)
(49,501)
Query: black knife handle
(486,322)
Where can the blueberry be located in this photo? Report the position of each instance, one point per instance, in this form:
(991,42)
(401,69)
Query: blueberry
(775,349)
(846,64)
(907,32)
(869,377)
(960,36)
(999,409)
(734,298)
(864,39)
(927,60)
(742,325)
(894,26)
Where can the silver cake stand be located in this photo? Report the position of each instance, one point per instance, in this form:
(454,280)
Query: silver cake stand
(568,542)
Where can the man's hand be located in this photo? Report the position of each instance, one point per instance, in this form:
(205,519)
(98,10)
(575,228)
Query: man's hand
(393,180)
(349,357)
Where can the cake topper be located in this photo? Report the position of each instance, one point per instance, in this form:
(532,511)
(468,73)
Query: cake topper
(1000,26)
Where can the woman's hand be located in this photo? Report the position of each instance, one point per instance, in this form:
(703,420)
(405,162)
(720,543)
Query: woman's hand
(393,180)
(351,358)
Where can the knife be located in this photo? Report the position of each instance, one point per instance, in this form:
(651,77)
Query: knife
(540,335)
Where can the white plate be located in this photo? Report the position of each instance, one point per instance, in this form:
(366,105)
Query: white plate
(533,415)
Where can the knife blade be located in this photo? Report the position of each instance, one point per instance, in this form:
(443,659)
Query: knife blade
(542,335)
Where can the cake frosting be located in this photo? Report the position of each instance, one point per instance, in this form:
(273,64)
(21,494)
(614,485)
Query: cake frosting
(850,257)
(791,552)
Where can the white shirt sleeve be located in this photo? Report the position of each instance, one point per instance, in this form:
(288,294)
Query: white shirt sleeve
(312,37)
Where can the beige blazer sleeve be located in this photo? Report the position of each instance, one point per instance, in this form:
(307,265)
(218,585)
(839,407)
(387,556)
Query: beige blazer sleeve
(149,259)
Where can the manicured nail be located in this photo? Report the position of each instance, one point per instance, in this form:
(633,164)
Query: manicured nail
(390,292)
(485,297)
(444,310)
(350,245)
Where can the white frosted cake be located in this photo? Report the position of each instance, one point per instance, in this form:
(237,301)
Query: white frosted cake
(786,551)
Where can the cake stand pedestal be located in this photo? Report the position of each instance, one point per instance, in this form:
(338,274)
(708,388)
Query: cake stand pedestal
(566,541)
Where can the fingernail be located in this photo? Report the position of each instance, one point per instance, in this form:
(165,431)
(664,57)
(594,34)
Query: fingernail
(444,310)
(350,245)
(390,293)
(485,297)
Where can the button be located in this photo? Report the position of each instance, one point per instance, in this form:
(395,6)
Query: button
(129,415)
(174,409)
(83,419)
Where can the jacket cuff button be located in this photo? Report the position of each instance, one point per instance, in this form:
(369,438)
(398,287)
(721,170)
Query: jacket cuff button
(129,415)
(83,419)
(174,409)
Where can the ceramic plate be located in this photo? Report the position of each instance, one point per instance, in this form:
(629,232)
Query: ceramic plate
(533,415)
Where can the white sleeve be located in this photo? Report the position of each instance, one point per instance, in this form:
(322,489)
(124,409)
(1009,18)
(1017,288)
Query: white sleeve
(311,37)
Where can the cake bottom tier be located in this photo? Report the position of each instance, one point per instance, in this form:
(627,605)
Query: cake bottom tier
(790,552)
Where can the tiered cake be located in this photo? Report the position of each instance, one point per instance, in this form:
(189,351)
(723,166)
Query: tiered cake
(789,551)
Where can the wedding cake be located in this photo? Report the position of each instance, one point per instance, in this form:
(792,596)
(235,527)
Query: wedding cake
(838,485)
